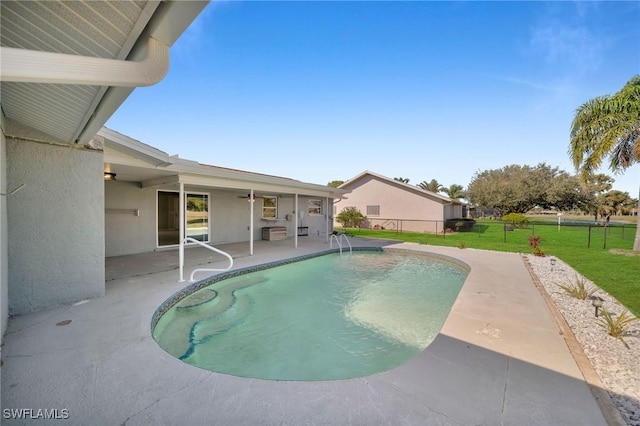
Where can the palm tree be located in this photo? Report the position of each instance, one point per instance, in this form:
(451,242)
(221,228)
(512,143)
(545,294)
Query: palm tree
(608,127)
(401,179)
(433,185)
(454,191)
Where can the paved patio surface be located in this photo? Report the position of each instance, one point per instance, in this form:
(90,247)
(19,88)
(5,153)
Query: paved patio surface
(499,359)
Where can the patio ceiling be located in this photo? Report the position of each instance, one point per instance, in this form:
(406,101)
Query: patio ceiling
(119,32)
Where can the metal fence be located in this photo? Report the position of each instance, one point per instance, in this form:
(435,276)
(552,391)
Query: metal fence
(576,233)
(581,233)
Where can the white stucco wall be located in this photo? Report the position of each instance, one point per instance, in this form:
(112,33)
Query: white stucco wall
(126,233)
(229,217)
(55,225)
(4,263)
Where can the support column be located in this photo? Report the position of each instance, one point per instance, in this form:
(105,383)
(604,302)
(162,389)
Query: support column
(181,215)
(251,201)
(326,215)
(295,211)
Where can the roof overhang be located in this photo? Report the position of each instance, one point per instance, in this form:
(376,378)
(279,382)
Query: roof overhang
(67,66)
(134,161)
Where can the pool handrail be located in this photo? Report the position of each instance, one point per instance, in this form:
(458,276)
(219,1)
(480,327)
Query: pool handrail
(338,242)
(227,255)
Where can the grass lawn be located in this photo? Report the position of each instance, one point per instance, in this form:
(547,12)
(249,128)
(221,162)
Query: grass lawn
(614,269)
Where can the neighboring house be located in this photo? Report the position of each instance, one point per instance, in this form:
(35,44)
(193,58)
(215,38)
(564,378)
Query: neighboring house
(391,204)
(142,202)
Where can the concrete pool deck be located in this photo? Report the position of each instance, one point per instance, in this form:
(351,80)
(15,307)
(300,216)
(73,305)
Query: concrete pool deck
(499,359)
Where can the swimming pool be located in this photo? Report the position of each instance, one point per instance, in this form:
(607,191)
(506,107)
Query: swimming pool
(323,318)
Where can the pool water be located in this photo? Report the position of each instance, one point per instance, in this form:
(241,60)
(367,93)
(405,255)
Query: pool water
(325,318)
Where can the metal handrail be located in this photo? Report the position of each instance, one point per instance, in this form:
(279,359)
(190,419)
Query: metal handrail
(227,255)
(338,242)
(347,240)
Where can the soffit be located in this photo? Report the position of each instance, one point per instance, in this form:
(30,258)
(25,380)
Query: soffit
(104,29)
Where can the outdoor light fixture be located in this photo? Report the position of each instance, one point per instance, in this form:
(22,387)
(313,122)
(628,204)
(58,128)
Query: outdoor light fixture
(596,301)
(553,262)
(109,176)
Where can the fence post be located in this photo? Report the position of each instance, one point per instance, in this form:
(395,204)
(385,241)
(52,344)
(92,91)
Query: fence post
(589,239)
(605,238)
(504,230)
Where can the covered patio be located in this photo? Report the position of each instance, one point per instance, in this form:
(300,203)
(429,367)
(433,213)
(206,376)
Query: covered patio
(155,201)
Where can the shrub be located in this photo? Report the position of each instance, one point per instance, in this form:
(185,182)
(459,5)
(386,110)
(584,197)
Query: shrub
(460,224)
(350,217)
(616,327)
(579,289)
(516,219)
(534,242)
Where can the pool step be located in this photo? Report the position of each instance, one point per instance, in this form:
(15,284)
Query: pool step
(202,306)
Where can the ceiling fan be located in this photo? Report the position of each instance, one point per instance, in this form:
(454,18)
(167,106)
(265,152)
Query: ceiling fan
(249,196)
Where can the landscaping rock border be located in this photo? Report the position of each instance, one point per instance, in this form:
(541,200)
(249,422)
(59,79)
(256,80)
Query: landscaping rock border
(617,366)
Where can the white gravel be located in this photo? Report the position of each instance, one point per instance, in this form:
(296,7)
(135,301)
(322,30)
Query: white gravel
(617,366)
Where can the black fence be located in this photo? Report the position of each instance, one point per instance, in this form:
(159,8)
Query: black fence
(569,232)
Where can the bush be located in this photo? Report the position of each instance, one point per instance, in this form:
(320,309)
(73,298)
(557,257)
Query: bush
(460,225)
(516,219)
(350,217)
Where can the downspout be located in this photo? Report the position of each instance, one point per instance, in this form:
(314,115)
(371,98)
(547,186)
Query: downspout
(32,66)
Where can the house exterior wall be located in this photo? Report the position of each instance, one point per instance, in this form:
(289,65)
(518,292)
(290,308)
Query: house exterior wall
(414,211)
(229,217)
(126,233)
(55,225)
(4,262)
(316,223)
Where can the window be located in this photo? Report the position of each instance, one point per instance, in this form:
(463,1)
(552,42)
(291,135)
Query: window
(373,210)
(269,207)
(315,207)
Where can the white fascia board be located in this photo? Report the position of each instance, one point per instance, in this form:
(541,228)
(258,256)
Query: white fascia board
(258,185)
(250,180)
(130,147)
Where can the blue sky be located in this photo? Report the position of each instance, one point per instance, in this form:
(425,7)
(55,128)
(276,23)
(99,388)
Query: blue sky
(321,91)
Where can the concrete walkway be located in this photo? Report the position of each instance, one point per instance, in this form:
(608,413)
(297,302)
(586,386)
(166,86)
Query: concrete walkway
(499,360)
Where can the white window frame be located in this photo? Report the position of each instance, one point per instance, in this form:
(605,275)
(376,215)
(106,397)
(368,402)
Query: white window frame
(269,208)
(314,207)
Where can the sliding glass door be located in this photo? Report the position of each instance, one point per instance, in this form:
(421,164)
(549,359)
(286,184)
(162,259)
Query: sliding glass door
(196,217)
